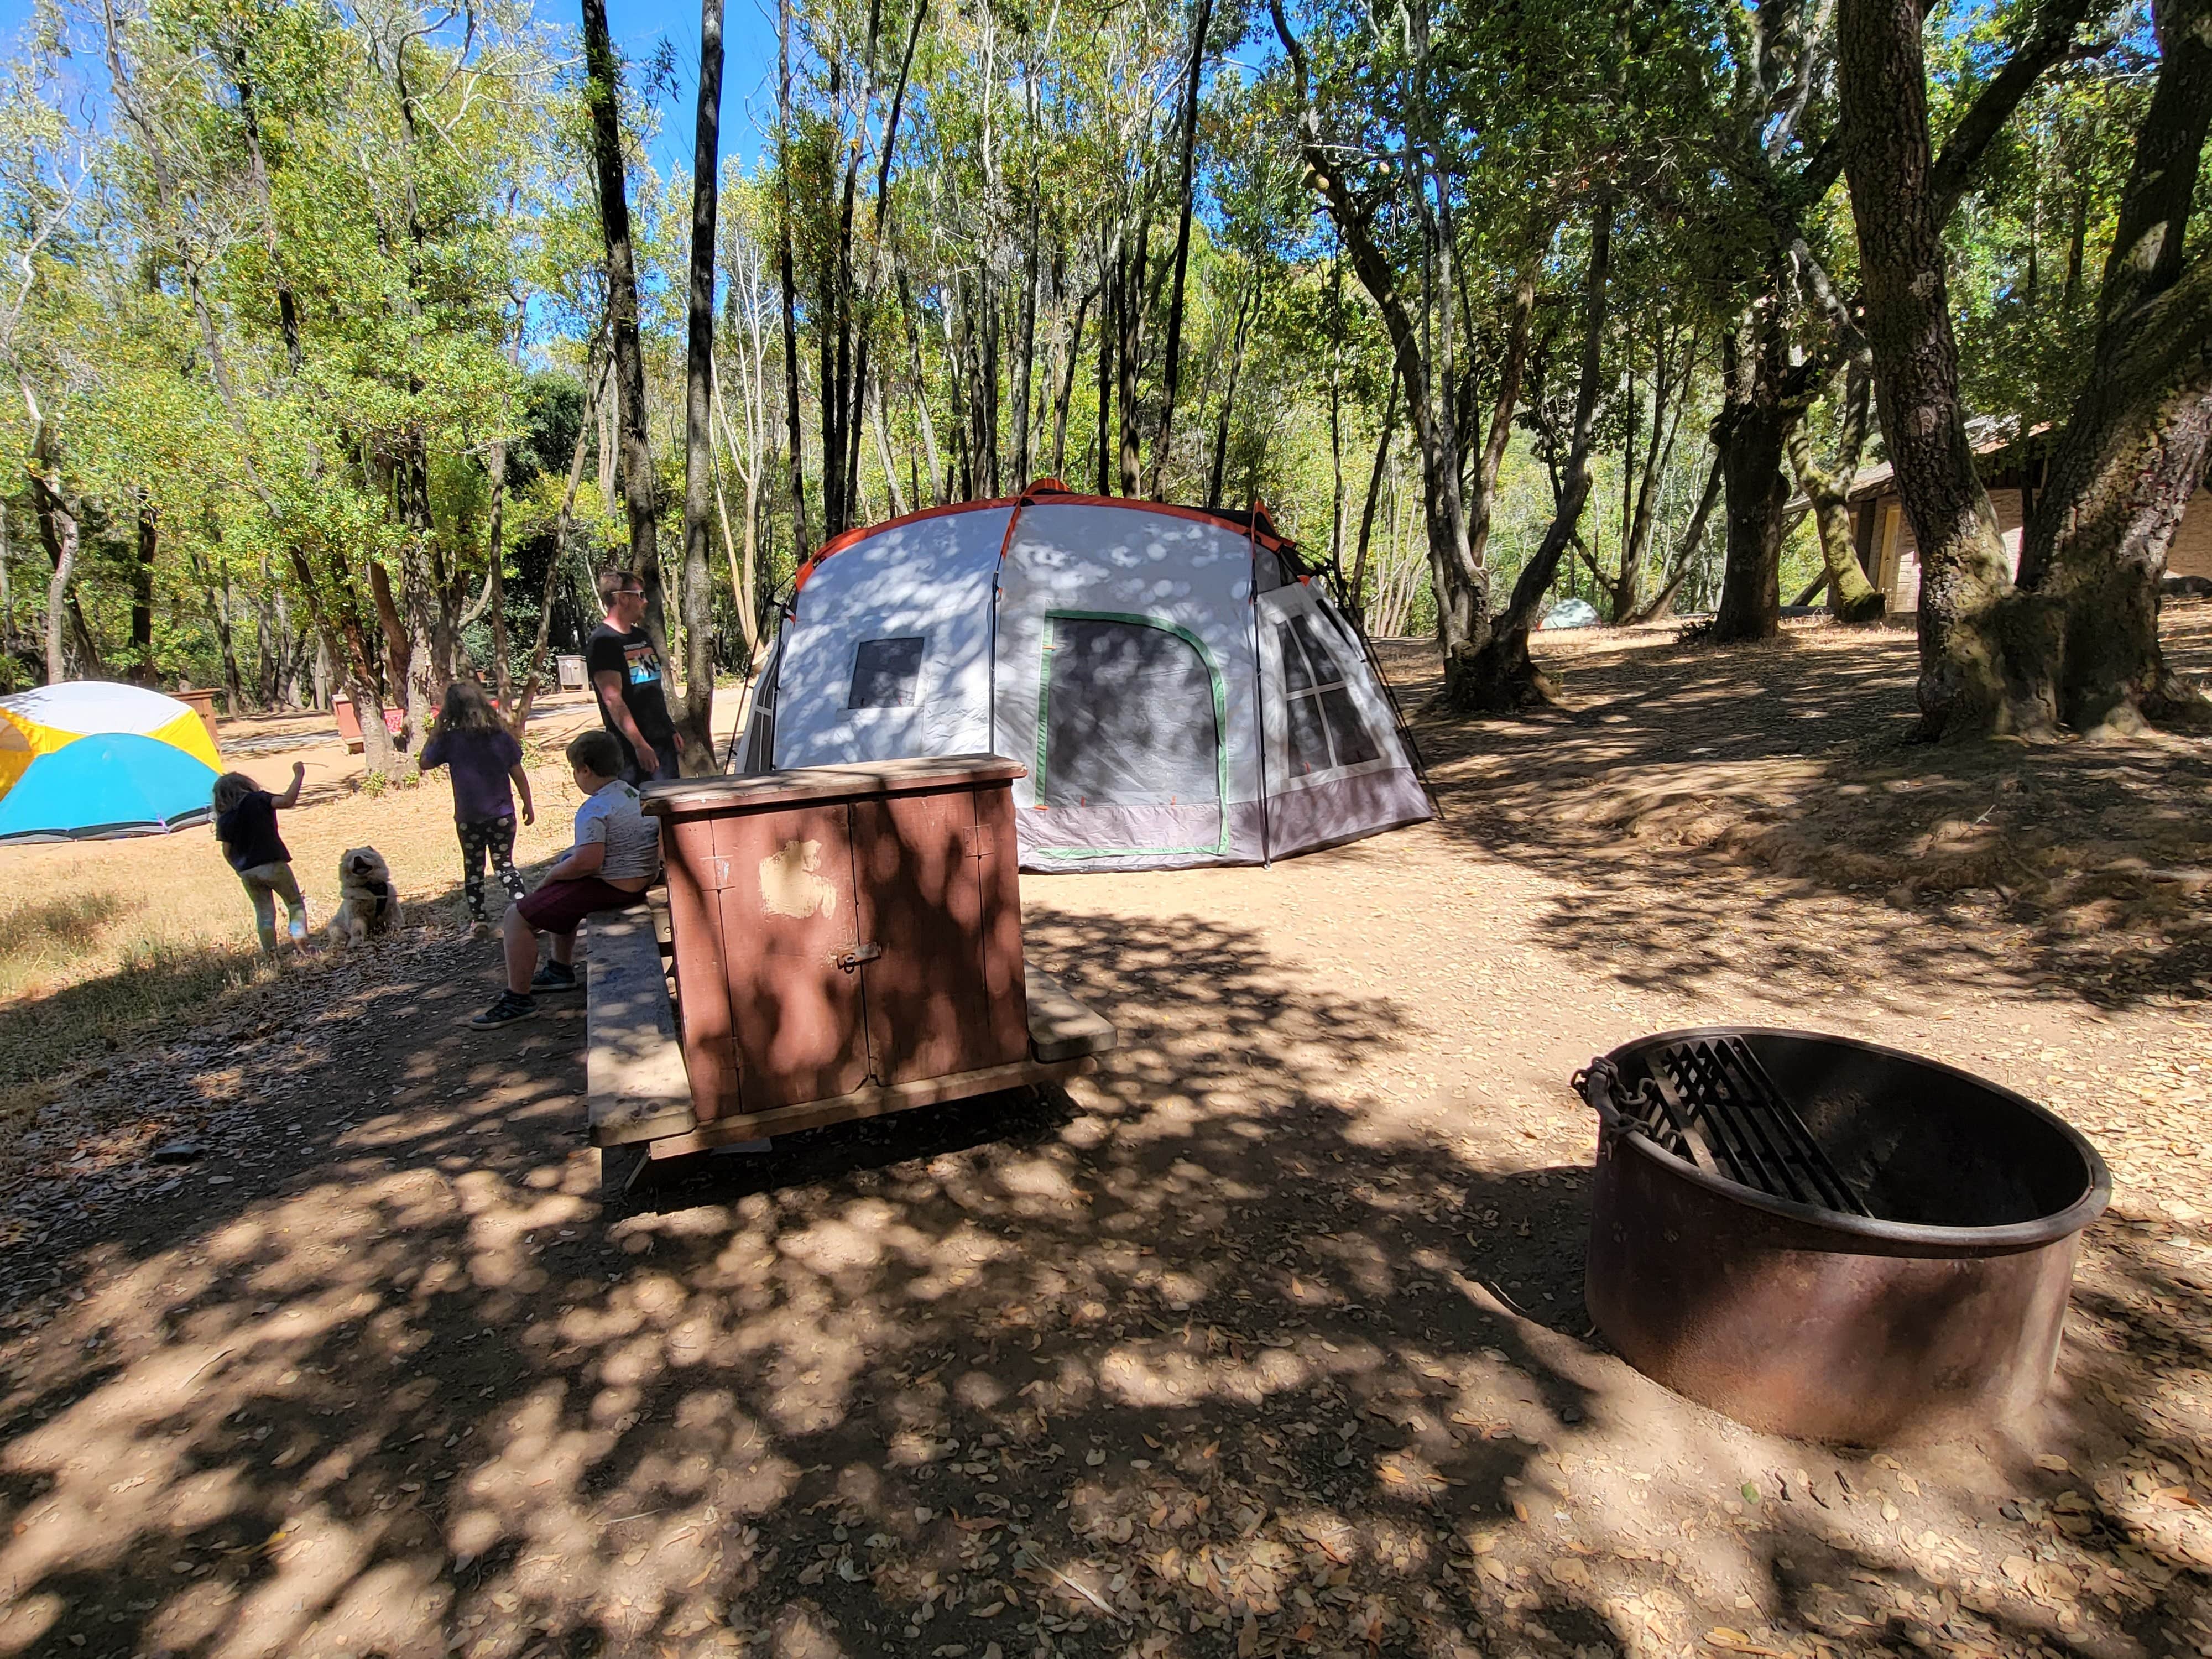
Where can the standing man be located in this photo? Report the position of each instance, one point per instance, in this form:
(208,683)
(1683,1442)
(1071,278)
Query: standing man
(626,673)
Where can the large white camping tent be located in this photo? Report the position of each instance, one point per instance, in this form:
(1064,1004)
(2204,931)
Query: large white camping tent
(1180,691)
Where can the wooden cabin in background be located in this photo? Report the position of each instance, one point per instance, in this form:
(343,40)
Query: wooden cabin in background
(2011,470)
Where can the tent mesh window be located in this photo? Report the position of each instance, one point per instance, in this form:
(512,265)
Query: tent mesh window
(885,673)
(760,745)
(1130,717)
(1326,730)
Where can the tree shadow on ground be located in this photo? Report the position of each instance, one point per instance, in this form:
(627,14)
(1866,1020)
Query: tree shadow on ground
(1876,866)
(1186,1353)
(1200,1356)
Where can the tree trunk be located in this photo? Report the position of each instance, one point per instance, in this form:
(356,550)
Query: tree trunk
(1356,594)
(1171,369)
(1972,652)
(1502,675)
(503,668)
(694,723)
(2136,445)
(940,491)
(603,95)
(218,601)
(288,311)
(1461,580)
(1025,351)
(347,645)
(1749,435)
(741,567)
(802,541)
(1109,328)
(1248,307)
(1130,316)
(1661,602)
(1853,599)
(1066,388)
(1336,475)
(142,599)
(986,383)
(1510,373)
(596,368)
(57,586)
(1669,392)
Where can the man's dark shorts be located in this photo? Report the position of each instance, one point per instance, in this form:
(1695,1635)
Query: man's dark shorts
(667,767)
(555,907)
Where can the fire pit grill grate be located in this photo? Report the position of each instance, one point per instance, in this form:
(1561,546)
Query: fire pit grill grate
(1716,1107)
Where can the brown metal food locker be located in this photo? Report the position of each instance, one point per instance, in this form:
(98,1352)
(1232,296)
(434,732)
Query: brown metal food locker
(847,941)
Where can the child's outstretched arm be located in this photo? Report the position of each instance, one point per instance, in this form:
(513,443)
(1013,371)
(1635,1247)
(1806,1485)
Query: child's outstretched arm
(522,785)
(291,796)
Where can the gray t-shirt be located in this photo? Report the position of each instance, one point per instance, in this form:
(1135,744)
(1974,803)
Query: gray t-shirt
(612,818)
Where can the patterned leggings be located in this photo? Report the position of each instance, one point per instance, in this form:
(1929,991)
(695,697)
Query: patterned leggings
(480,837)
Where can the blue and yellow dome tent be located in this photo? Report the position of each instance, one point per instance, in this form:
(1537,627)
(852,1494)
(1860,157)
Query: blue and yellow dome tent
(89,759)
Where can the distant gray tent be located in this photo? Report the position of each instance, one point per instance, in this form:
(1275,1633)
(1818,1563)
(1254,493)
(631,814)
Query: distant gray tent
(1115,647)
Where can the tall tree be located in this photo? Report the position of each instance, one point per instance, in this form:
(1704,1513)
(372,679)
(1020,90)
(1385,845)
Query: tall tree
(604,93)
(2139,437)
(802,540)
(1507,676)
(1171,369)
(1995,658)
(695,727)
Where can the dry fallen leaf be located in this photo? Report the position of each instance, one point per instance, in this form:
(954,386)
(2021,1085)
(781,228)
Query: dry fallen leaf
(2054,1462)
(2053,1582)
(1736,1642)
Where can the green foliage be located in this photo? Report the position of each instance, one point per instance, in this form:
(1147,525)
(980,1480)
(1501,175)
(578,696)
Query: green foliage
(414,193)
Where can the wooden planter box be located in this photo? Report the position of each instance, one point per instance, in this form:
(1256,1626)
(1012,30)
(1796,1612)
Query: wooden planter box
(349,721)
(845,941)
(202,703)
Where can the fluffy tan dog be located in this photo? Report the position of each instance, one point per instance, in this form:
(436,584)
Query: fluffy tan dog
(368,902)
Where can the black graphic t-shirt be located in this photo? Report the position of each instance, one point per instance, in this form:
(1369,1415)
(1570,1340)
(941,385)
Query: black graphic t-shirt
(632,656)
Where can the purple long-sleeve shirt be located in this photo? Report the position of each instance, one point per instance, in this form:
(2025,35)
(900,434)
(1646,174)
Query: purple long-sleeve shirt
(480,762)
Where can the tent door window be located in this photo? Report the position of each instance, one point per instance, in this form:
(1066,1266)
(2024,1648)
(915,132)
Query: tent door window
(1133,714)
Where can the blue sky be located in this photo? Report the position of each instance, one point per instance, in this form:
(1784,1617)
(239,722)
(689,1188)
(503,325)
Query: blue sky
(748,67)
(638,26)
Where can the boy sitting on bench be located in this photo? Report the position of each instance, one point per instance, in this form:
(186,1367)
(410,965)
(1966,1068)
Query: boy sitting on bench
(617,855)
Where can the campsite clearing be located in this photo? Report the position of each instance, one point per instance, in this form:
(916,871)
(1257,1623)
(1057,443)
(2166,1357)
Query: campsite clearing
(1266,1340)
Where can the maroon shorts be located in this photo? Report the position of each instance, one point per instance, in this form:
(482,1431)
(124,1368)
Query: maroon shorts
(555,907)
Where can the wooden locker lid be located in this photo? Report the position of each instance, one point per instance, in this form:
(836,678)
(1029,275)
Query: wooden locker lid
(814,783)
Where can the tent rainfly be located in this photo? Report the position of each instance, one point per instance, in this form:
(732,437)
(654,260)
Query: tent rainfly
(88,759)
(1181,692)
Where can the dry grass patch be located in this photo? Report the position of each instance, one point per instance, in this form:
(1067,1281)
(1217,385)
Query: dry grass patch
(104,941)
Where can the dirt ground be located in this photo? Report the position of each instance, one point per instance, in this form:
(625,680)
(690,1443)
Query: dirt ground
(1266,1339)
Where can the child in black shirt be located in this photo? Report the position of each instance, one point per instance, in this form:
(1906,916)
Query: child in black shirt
(245,825)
